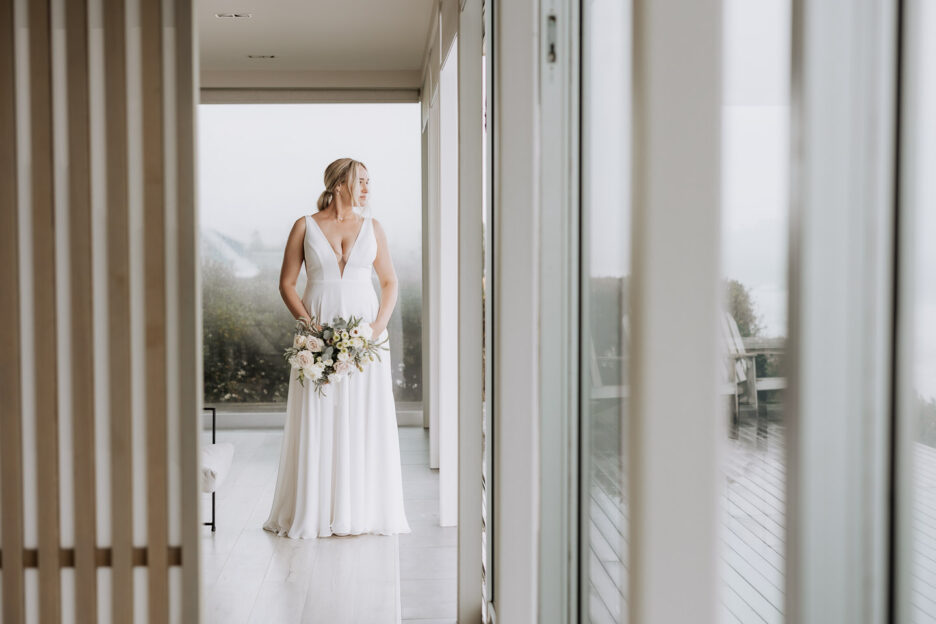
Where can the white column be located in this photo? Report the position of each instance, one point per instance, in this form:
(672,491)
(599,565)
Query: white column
(674,433)
(448,291)
(515,359)
(470,267)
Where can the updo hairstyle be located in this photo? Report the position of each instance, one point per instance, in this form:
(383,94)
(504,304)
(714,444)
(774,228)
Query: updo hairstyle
(341,170)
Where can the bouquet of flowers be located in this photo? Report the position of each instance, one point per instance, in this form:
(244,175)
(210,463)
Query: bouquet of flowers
(325,354)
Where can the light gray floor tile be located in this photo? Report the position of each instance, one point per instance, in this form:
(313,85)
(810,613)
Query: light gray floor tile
(252,576)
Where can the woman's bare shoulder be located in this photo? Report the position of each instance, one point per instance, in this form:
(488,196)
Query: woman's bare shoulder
(299,225)
(297,231)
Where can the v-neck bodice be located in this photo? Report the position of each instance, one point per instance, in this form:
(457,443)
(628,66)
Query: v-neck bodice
(328,292)
(346,256)
(324,262)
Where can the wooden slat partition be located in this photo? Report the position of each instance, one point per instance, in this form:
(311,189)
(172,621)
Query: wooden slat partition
(154,315)
(102,558)
(190,334)
(118,305)
(11,403)
(45,343)
(36,261)
(81,312)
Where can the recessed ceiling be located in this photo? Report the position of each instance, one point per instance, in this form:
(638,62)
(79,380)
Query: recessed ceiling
(314,36)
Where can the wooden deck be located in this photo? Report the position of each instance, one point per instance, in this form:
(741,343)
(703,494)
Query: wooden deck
(923,598)
(753,530)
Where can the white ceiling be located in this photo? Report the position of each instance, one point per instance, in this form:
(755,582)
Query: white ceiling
(358,43)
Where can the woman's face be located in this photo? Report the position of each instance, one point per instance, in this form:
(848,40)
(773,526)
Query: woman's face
(363,186)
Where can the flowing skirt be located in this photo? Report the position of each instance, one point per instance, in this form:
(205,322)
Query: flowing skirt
(339,470)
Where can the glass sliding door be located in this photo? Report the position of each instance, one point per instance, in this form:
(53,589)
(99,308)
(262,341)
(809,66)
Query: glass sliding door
(604,344)
(753,331)
(918,283)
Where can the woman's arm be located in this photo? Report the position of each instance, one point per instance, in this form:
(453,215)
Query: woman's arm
(289,273)
(388,281)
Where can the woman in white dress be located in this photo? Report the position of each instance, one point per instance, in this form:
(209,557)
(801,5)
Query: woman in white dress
(339,470)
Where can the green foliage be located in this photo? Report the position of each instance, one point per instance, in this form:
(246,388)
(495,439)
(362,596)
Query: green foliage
(408,385)
(741,307)
(608,307)
(246,327)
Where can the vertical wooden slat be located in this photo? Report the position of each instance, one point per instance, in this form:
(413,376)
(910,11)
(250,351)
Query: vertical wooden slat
(190,340)
(81,312)
(118,305)
(44,310)
(154,315)
(11,437)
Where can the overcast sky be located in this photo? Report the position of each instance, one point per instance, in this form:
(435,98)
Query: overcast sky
(921,166)
(261,166)
(755,153)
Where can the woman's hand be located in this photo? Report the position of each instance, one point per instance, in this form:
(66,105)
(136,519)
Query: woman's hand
(377,329)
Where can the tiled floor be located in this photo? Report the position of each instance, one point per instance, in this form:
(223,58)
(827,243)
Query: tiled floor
(252,576)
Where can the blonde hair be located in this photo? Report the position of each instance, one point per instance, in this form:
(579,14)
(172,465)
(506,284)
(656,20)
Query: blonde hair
(341,170)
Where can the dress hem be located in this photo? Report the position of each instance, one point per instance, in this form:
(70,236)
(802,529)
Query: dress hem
(284,532)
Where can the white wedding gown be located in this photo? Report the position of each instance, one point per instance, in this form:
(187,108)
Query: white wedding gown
(339,470)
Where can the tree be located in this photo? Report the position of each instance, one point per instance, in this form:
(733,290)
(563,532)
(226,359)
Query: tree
(741,307)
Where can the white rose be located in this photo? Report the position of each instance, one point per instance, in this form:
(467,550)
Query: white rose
(305,359)
(357,343)
(313,372)
(343,368)
(299,341)
(366,331)
(343,357)
(315,344)
(294,362)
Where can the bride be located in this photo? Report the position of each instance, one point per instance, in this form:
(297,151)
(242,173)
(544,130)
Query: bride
(339,469)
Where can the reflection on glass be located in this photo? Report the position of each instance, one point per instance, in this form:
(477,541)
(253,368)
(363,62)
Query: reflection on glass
(605,243)
(755,152)
(487,242)
(260,168)
(920,84)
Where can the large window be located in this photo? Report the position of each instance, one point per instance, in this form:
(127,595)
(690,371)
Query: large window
(919,194)
(261,168)
(755,212)
(605,273)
